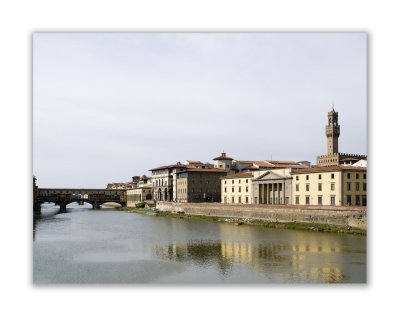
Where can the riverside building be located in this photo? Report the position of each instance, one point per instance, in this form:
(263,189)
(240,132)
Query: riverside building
(164,181)
(141,192)
(195,185)
(237,188)
(330,185)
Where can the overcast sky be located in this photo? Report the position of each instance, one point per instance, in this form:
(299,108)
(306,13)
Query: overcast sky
(110,106)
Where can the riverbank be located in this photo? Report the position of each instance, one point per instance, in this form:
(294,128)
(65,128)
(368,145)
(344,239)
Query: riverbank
(309,226)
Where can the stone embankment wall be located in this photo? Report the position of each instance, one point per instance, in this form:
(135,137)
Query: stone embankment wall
(355,217)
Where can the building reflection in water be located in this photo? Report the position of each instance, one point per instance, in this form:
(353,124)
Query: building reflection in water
(301,259)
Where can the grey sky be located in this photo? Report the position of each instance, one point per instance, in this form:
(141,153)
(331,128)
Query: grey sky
(113,105)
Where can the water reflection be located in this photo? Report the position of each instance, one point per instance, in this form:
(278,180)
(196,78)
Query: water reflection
(109,246)
(297,262)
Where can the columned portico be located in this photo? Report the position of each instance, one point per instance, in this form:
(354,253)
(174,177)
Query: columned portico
(273,189)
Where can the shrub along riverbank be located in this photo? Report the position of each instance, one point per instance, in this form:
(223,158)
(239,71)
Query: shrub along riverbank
(246,221)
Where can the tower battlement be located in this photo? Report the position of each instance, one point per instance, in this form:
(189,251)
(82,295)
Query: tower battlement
(334,157)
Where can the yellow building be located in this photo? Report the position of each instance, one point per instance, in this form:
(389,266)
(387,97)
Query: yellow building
(237,188)
(331,185)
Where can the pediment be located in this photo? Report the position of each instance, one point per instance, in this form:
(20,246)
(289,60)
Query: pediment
(269,175)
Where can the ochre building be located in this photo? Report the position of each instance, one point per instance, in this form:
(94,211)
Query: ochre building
(330,185)
(237,188)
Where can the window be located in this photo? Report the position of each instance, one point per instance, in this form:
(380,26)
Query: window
(357,176)
(332,186)
(225,182)
(365,176)
(348,200)
(239,181)
(319,200)
(364,186)
(228,165)
(319,176)
(332,200)
(297,200)
(247,199)
(225,189)
(240,189)
(348,175)
(332,176)
(307,177)
(225,199)
(319,186)
(232,181)
(240,200)
(297,187)
(307,187)
(307,200)
(247,180)
(233,200)
(247,189)
(297,178)
(357,186)
(233,189)
(357,200)
(348,186)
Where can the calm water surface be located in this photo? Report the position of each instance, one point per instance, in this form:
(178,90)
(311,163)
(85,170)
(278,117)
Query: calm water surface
(110,246)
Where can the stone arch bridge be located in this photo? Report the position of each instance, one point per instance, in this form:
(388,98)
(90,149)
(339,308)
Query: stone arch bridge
(63,197)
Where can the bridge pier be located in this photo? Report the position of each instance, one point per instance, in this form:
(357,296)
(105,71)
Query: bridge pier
(63,207)
(96,205)
(37,207)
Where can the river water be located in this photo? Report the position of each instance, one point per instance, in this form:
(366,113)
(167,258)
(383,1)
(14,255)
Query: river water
(111,246)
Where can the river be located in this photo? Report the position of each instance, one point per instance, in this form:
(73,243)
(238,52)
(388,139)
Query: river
(110,246)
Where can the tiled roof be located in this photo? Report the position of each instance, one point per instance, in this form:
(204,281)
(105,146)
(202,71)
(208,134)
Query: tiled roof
(222,158)
(259,163)
(282,162)
(239,175)
(168,166)
(292,166)
(251,167)
(328,169)
(204,170)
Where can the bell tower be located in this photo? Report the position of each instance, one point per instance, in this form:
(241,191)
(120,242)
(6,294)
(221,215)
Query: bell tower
(332,131)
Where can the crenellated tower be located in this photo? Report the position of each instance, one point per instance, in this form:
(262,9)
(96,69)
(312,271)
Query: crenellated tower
(333,157)
(332,131)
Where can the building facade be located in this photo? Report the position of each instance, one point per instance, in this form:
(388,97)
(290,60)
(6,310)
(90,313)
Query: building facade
(273,187)
(163,179)
(237,188)
(331,185)
(196,185)
(141,192)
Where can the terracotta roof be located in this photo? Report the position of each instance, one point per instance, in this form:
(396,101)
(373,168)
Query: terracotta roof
(168,166)
(206,170)
(239,175)
(251,167)
(291,166)
(259,163)
(223,158)
(329,168)
(283,162)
